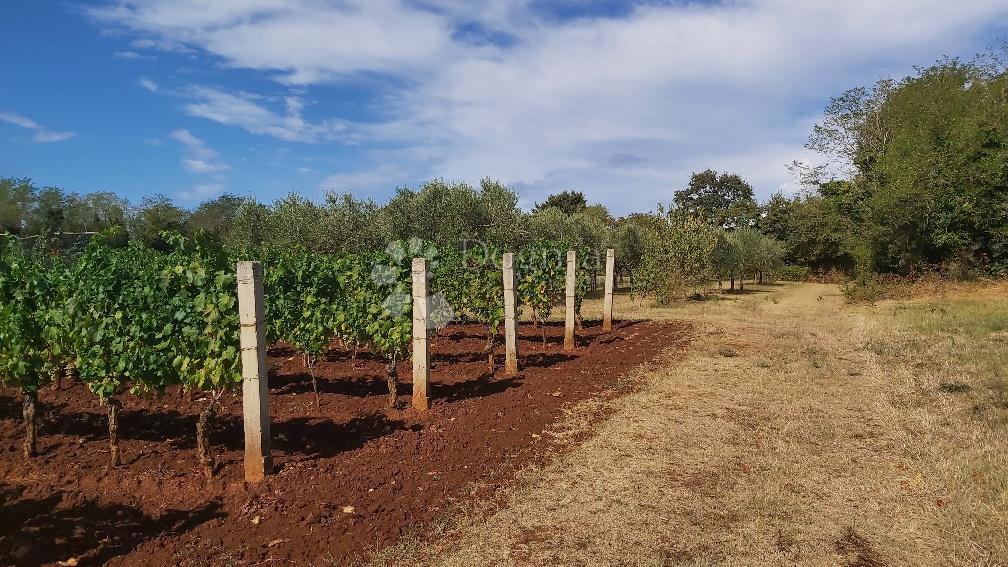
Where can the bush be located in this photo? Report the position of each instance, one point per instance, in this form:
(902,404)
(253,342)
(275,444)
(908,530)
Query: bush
(793,273)
(866,288)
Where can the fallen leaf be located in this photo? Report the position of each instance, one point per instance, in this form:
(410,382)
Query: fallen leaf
(72,562)
(348,509)
(276,542)
(256,520)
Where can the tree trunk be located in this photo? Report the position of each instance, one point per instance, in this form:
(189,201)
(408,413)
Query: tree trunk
(113,430)
(31,433)
(488,348)
(542,329)
(392,379)
(741,282)
(314,383)
(760,276)
(732,282)
(203,425)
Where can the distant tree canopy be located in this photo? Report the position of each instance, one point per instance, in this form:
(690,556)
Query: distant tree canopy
(445,213)
(569,202)
(926,162)
(216,216)
(725,199)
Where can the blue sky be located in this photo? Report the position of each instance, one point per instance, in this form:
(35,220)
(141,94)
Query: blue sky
(619,100)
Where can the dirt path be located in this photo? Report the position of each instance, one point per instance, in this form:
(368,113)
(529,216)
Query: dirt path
(782,437)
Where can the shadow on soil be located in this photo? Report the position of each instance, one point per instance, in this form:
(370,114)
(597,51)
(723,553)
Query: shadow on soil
(482,386)
(173,427)
(311,437)
(60,527)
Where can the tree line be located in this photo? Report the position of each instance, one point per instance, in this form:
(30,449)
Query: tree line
(914,177)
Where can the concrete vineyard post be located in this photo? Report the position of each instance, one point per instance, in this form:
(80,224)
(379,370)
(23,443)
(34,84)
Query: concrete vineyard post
(510,319)
(569,304)
(421,361)
(609,282)
(255,381)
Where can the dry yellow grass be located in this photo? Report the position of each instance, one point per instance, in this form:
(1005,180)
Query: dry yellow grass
(797,430)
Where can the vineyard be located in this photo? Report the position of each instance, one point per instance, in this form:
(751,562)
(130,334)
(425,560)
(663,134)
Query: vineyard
(133,319)
(155,332)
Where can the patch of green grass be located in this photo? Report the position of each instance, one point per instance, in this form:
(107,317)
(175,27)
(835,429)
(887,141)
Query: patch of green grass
(971,318)
(967,341)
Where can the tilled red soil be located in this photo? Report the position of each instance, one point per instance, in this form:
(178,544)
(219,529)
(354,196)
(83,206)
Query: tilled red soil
(350,478)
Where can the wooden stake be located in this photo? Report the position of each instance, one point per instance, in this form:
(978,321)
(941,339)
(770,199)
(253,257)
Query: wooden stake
(608,298)
(510,316)
(571,290)
(421,359)
(255,381)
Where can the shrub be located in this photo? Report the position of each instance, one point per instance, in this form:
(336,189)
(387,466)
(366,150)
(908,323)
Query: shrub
(867,288)
(793,273)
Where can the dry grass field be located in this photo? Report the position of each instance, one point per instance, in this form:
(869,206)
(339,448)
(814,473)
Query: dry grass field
(794,430)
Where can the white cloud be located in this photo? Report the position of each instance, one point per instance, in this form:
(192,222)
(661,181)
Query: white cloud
(148,84)
(161,45)
(304,39)
(41,135)
(250,112)
(186,138)
(46,136)
(18,120)
(623,108)
(201,166)
(199,157)
(381,177)
(201,191)
(130,55)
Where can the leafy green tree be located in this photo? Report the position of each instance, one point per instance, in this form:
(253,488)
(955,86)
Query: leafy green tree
(155,215)
(16,199)
(547,223)
(725,199)
(924,157)
(215,216)
(443,213)
(725,259)
(250,229)
(48,213)
(777,216)
(677,257)
(628,243)
(295,222)
(352,225)
(94,212)
(569,202)
(504,219)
